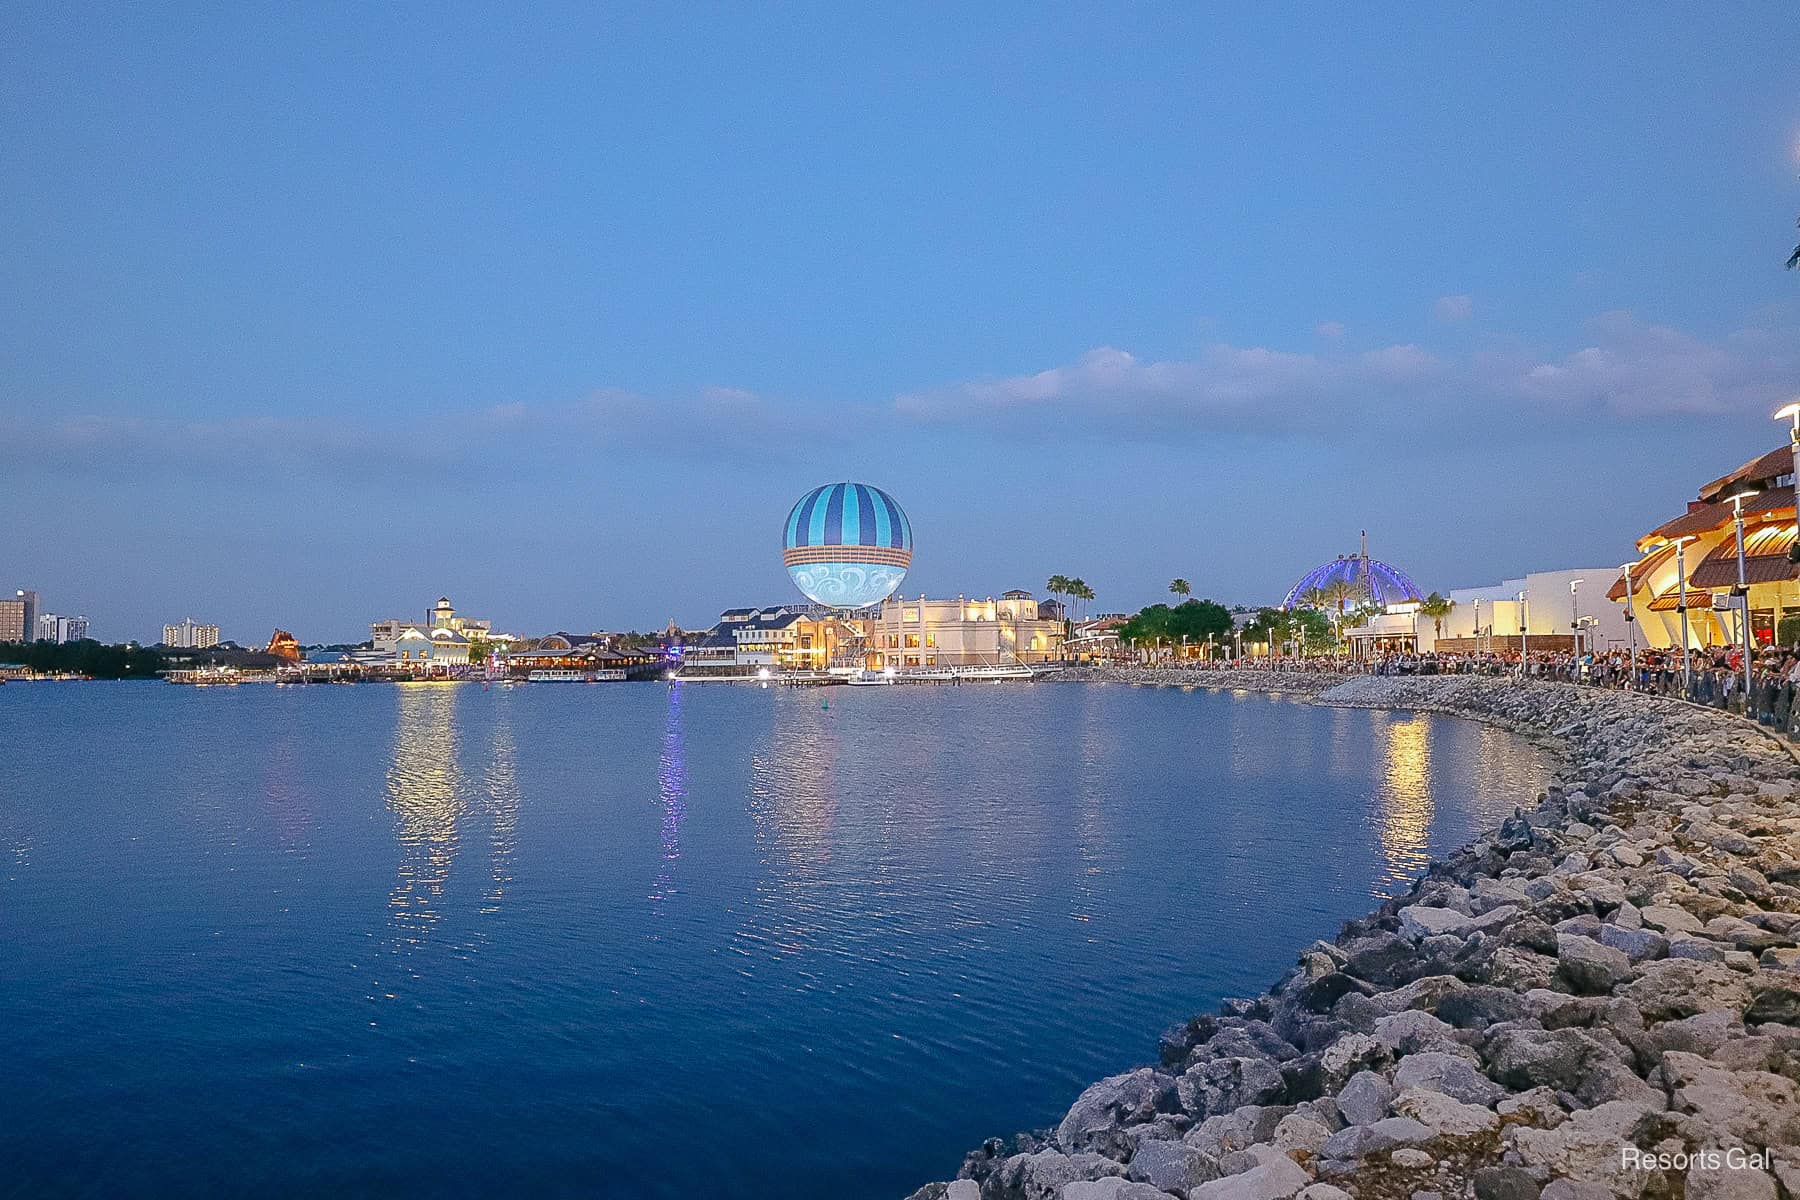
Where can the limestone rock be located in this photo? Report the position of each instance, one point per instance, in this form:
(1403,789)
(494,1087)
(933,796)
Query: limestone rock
(1589,968)
(1171,1166)
(1094,1120)
(1275,1179)
(1444,1116)
(1449,1074)
(1365,1099)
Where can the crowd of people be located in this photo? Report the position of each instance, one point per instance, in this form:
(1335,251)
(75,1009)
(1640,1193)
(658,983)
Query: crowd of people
(1713,676)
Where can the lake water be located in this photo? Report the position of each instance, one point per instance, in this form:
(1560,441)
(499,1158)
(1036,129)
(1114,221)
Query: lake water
(651,940)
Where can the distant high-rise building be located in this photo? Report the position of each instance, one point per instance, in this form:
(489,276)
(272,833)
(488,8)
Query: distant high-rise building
(53,628)
(190,635)
(18,616)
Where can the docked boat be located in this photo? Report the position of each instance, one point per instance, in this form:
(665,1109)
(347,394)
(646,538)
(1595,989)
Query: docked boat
(564,675)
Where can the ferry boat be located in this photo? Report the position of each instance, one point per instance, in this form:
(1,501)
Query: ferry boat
(565,675)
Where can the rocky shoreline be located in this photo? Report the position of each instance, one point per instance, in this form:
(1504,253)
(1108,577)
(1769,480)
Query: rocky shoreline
(1599,999)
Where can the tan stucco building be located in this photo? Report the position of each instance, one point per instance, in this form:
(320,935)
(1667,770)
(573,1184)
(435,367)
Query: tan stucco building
(963,632)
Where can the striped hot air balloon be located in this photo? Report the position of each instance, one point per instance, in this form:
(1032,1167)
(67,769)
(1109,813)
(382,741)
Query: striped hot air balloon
(847,545)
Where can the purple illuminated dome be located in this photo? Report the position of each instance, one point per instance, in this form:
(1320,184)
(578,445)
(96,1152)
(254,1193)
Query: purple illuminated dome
(1373,580)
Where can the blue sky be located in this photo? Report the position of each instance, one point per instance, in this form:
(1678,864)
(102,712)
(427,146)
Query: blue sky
(311,314)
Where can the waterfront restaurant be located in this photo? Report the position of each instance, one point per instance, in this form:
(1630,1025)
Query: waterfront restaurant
(582,652)
(920,632)
(1703,542)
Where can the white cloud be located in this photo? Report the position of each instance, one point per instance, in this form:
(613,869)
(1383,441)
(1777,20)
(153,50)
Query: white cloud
(1451,309)
(1624,370)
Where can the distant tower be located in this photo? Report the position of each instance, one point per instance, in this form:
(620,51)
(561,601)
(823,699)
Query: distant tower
(442,614)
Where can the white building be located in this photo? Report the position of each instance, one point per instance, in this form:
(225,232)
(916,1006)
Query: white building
(52,628)
(190,635)
(1488,617)
(384,636)
(435,648)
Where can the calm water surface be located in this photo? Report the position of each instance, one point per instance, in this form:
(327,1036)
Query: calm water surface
(643,940)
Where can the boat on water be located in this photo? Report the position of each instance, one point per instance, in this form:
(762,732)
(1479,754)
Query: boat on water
(564,675)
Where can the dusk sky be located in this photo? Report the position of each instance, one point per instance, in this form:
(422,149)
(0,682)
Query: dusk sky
(313,313)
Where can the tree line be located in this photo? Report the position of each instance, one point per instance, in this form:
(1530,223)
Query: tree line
(88,657)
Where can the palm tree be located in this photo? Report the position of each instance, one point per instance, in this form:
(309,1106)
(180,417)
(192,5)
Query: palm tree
(1180,587)
(1311,598)
(1058,586)
(1337,595)
(1079,589)
(1438,607)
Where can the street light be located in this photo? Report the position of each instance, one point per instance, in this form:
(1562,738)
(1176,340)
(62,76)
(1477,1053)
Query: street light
(1575,617)
(1743,587)
(1631,625)
(1681,606)
(1522,647)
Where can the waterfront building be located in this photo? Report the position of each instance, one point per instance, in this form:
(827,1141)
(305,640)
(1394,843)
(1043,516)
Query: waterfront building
(18,616)
(795,637)
(59,629)
(190,635)
(964,632)
(1492,617)
(384,636)
(439,647)
(1704,540)
(583,652)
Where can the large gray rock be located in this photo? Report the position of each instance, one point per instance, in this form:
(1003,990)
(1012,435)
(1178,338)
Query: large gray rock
(1360,1141)
(1236,1130)
(1095,1119)
(1421,921)
(1754,1107)
(1446,1118)
(1504,1183)
(1110,1189)
(1041,1176)
(1589,968)
(1522,1057)
(1275,1178)
(1673,987)
(1414,1031)
(1670,919)
(1479,1007)
(1774,996)
(1225,1084)
(1349,1054)
(1171,1166)
(1638,945)
(1728,1183)
(1447,1073)
(1364,1100)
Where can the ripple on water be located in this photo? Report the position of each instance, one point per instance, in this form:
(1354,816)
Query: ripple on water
(461,941)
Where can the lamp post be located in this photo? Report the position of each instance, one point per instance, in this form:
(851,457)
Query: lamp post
(1575,618)
(1631,626)
(1681,606)
(1522,647)
(1477,633)
(1743,586)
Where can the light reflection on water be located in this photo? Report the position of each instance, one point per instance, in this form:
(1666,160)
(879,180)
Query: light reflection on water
(427,800)
(900,919)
